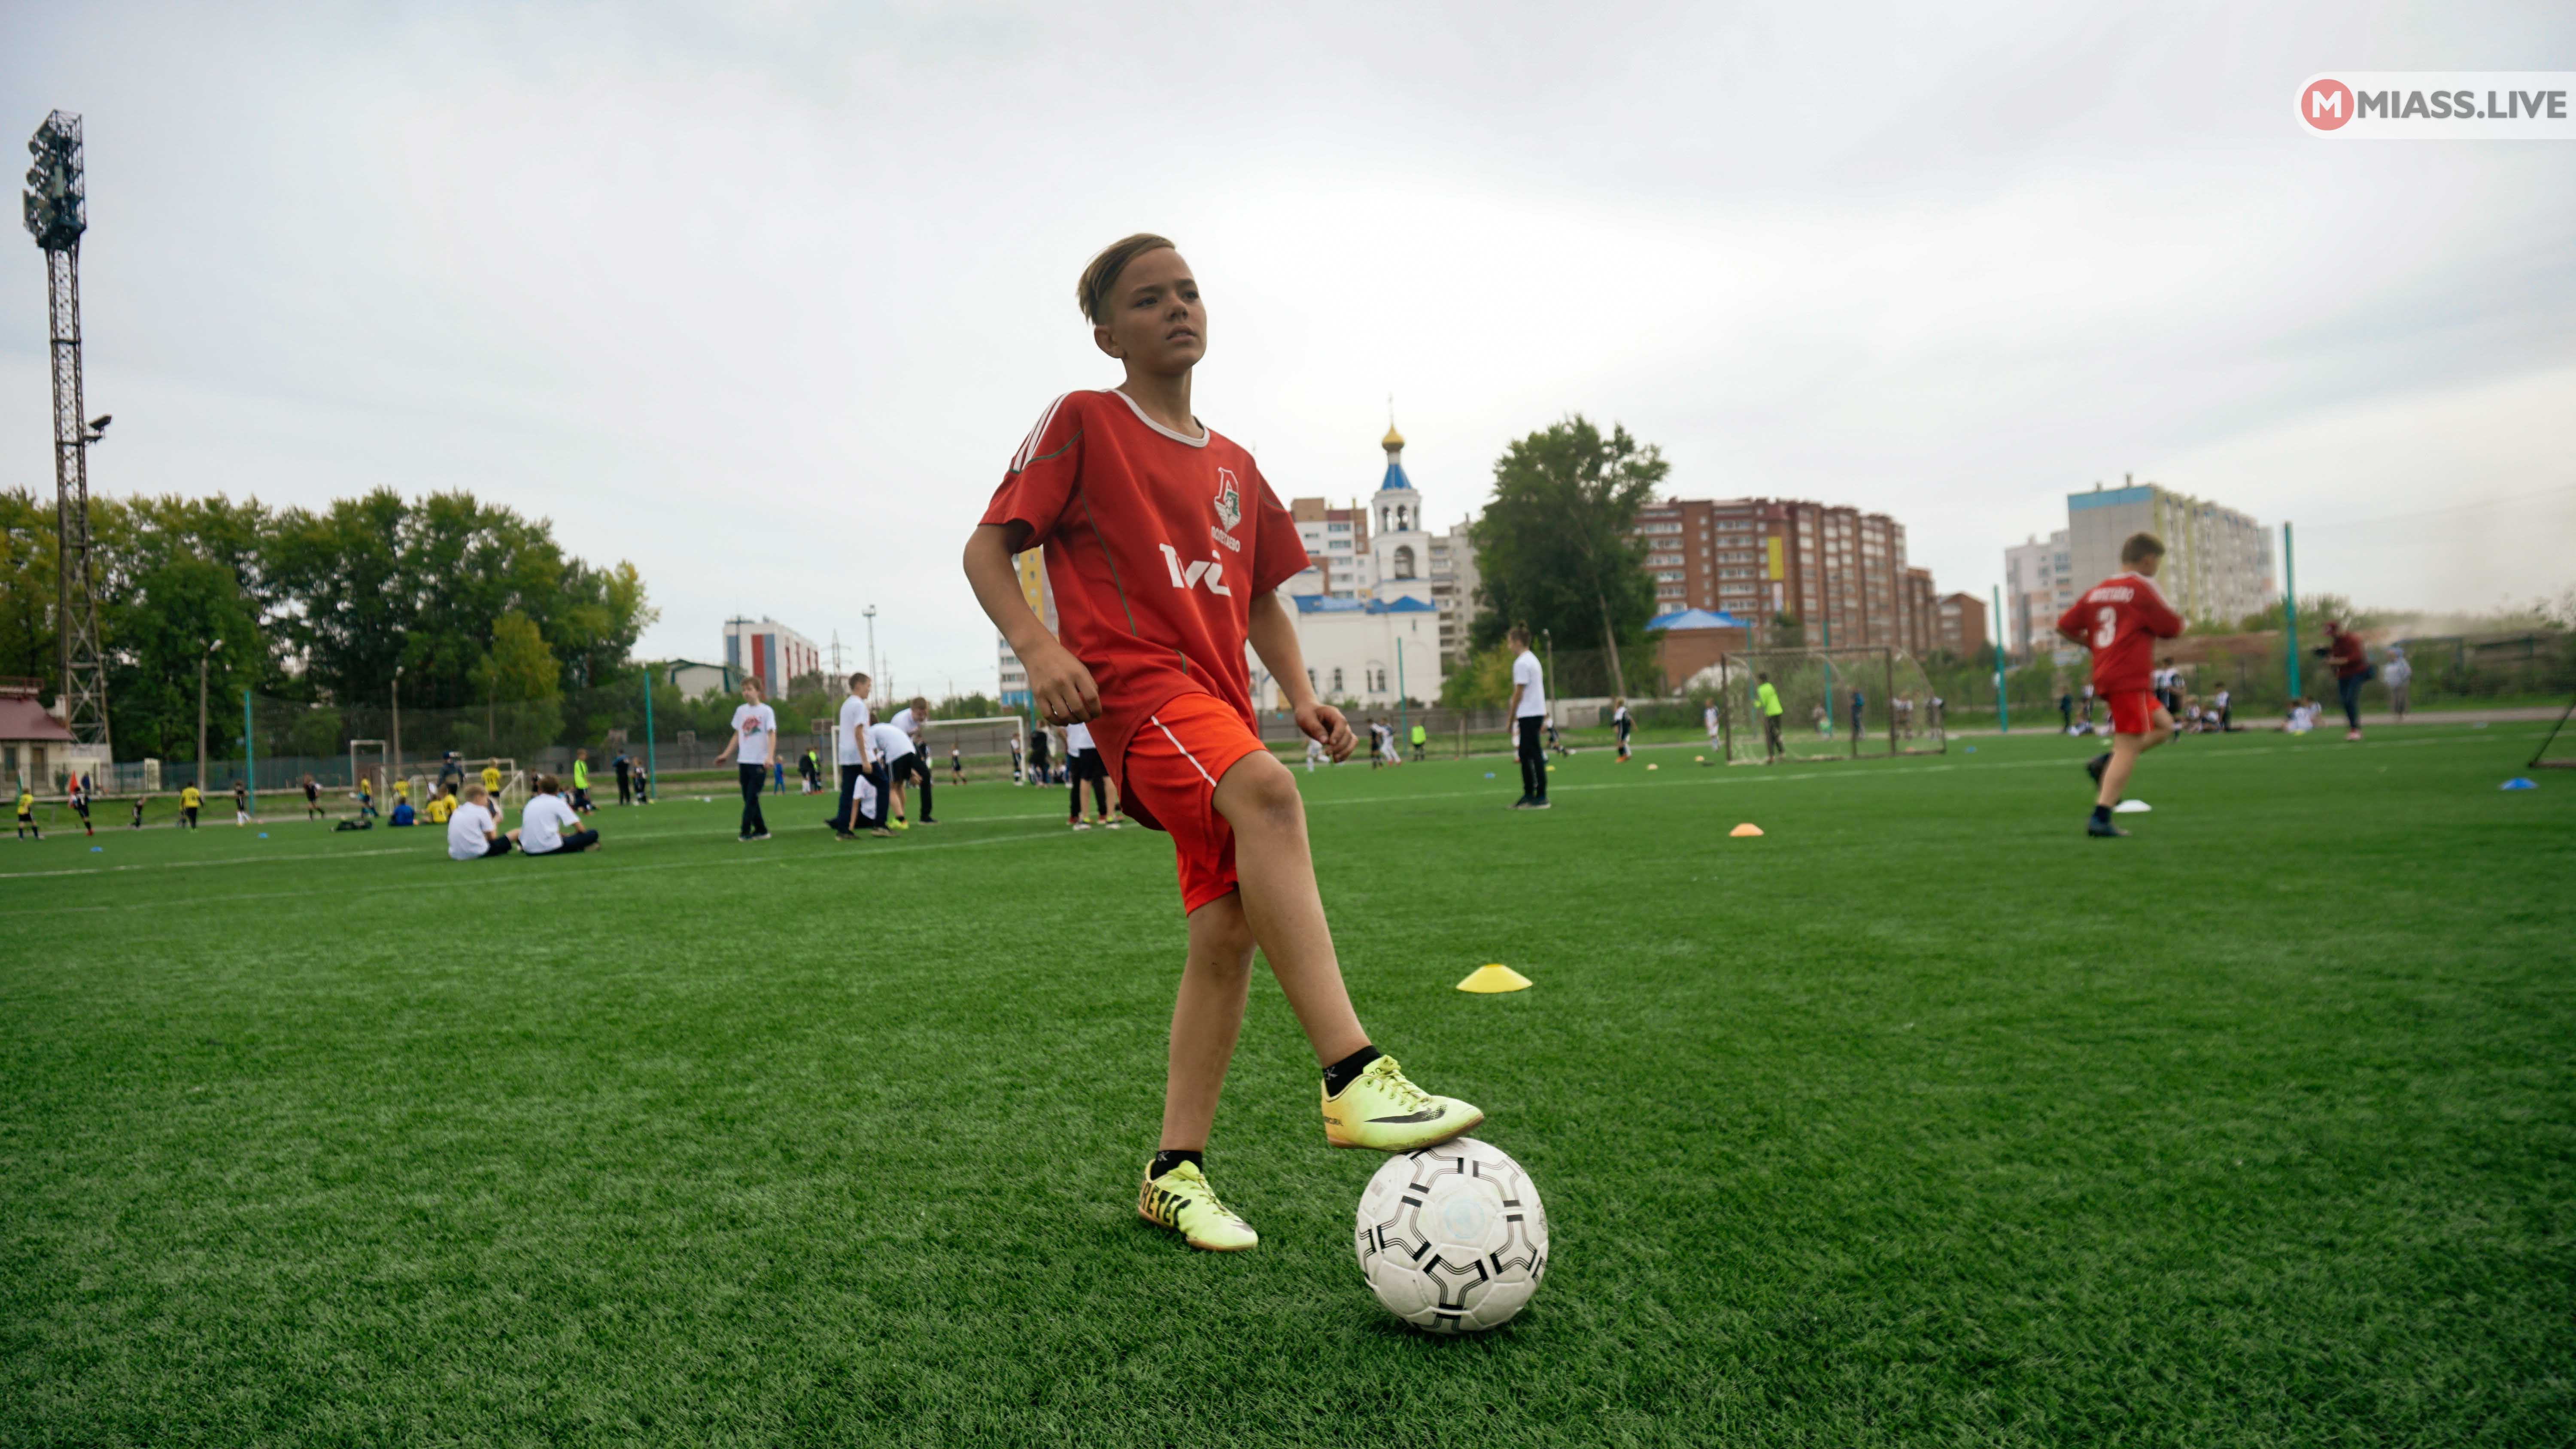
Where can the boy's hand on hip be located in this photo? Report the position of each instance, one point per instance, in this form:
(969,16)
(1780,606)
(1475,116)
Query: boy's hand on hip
(1063,688)
(1325,723)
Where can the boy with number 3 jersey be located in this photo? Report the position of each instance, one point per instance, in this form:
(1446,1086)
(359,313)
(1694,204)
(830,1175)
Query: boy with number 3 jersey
(2120,619)
(1164,545)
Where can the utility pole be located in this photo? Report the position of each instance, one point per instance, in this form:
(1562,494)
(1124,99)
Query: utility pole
(2003,717)
(652,772)
(396,762)
(203,779)
(2290,610)
(870,614)
(57,210)
(1399,672)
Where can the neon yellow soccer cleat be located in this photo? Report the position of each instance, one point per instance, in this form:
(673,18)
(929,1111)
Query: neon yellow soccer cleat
(1182,1201)
(1383,1111)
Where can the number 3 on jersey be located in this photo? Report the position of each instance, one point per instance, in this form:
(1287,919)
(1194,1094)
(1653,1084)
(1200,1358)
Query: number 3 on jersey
(2106,625)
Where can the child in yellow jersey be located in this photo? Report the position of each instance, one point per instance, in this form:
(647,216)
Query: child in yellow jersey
(190,797)
(27,813)
(442,804)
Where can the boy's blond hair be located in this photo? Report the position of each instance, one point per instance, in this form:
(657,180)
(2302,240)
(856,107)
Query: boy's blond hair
(1092,292)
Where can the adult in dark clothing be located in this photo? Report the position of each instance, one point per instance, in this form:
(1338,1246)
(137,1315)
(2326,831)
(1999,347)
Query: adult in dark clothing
(2352,670)
(625,778)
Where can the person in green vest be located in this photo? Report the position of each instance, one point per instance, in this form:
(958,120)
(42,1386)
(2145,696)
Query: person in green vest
(1421,737)
(1769,699)
(581,781)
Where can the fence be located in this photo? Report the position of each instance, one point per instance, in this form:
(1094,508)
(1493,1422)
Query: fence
(2253,669)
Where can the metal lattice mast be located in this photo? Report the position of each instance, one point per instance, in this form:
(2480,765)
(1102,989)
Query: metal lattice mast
(57,213)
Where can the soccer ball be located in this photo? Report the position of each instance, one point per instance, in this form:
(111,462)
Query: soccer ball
(1452,1238)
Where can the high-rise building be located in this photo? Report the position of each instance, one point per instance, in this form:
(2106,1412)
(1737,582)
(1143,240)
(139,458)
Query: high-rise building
(1030,565)
(2039,587)
(1453,590)
(2218,562)
(1338,561)
(1920,618)
(766,648)
(1839,572)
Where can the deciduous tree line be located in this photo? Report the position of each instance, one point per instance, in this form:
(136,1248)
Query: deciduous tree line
(473,602)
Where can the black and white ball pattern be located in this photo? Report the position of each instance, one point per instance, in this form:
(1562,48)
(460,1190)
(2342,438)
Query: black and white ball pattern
(1452,1238)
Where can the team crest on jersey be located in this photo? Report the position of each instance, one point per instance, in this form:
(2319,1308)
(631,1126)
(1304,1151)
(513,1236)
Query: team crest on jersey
(1229,499)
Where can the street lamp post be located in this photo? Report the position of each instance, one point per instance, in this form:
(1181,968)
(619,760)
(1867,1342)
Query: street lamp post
(395,765)
(1553,684)
(870,614)
(201,709)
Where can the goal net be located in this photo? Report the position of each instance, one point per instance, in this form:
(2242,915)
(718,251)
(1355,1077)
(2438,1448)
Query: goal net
(2558,750)
(983,745)
(370,766)
(514,784)
(1851,703)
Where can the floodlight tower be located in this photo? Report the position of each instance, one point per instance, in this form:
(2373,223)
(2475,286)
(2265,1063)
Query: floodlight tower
(57,213)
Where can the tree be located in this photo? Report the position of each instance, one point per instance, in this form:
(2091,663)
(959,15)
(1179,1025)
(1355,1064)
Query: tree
(161,624)
(29,647)
(1484,681)
(1787,632)
(1556,549)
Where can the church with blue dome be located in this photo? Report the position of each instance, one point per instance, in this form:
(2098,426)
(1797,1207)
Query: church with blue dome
(1380,613)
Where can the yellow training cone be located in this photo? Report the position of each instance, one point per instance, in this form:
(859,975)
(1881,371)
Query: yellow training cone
(1747,828)
(1494,978)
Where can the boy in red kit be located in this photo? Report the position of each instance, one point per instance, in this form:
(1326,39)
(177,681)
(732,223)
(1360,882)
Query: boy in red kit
(1164,544)
(2120,619)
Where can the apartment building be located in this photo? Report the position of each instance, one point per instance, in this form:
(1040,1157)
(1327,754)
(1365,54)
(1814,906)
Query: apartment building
(2218,562)
(1960,625)
(2039,586)
(771,650)
(1839,572)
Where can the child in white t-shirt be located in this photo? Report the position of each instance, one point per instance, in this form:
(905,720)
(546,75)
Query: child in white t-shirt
(753,746)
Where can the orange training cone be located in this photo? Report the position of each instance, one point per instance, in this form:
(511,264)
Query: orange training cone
(1747,828)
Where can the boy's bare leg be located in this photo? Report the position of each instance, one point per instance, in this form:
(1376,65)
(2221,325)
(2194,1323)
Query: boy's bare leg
(1276,883)
(1207,1016)
(2125,750)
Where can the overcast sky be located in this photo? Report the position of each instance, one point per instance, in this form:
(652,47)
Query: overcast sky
(763,296)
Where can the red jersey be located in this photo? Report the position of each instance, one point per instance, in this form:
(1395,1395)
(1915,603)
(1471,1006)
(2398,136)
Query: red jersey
(1156,544)
(2120,618)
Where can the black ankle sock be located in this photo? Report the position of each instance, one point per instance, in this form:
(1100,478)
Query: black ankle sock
(1346,1071)
(2102,812)
(1171,1157)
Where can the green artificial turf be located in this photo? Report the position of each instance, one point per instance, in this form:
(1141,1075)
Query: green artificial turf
(1919,1120)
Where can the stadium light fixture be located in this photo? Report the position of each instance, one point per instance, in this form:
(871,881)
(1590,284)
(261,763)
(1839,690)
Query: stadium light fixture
(56,201)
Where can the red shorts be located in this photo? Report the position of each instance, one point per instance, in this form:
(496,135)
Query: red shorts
(2133,711)
(1174,760)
